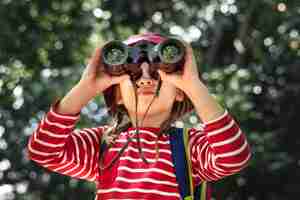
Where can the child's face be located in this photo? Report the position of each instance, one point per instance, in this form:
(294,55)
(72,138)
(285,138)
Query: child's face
(146,87)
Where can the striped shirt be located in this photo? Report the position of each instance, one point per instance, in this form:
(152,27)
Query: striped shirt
(218,150)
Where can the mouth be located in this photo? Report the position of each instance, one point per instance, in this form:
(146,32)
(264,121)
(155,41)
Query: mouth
(146,92)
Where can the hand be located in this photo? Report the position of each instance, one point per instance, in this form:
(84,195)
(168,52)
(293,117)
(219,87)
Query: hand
(189,77)
(95,77)
(93,81)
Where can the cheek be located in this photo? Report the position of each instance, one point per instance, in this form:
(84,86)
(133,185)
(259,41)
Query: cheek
(167,91)
(127,92)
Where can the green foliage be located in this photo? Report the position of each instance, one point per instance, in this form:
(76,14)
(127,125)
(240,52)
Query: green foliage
(248,54)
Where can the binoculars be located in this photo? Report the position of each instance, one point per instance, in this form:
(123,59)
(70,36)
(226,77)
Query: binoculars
(119,58)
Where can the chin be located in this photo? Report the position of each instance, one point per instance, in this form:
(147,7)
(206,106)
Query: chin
(153,110)
(157,107)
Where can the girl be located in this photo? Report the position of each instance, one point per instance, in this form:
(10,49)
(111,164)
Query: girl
(137,162)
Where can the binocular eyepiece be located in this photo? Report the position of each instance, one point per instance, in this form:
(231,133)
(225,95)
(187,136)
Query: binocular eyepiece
(119,58)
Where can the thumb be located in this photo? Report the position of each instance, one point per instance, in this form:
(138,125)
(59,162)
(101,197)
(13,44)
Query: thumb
(171,78)
(162,74)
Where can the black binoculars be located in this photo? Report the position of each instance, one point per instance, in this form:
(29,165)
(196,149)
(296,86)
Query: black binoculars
(119,58)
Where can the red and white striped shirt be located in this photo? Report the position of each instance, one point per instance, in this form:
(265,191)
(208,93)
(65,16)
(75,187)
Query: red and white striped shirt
(219,149)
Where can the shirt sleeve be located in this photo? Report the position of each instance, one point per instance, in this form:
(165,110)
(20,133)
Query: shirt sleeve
(56,146)
(218,150)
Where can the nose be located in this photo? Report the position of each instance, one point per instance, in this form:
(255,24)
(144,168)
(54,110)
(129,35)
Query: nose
(145,79)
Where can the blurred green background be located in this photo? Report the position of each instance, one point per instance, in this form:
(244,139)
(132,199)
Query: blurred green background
(248,54)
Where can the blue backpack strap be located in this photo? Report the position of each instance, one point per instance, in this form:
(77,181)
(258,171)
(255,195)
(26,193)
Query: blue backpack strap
(183,167)
(180,162)
(103,147)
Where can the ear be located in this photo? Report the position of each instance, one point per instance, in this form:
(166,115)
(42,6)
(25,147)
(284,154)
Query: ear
(179,95)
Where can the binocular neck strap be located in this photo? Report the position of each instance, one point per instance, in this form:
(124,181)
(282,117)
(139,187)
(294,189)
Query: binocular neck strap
(158,88)
(137,127)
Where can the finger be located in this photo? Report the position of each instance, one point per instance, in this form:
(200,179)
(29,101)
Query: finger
(162,74)
(189,51)
(190,66)
(94,61)
(189,54)
(96,56)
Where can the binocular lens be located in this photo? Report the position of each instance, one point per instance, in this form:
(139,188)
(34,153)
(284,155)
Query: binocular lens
(171,51)
(114,56)
(115,53)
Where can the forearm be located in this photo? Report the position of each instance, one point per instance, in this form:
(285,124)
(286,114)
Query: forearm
(205,104)
(76,99)
(220,149)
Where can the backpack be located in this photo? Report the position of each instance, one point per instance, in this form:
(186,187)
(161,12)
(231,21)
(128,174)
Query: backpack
(183,167)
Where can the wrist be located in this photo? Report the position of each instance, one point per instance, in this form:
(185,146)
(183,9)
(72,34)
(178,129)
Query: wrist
(205,104)
(195,87)
(87,88)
